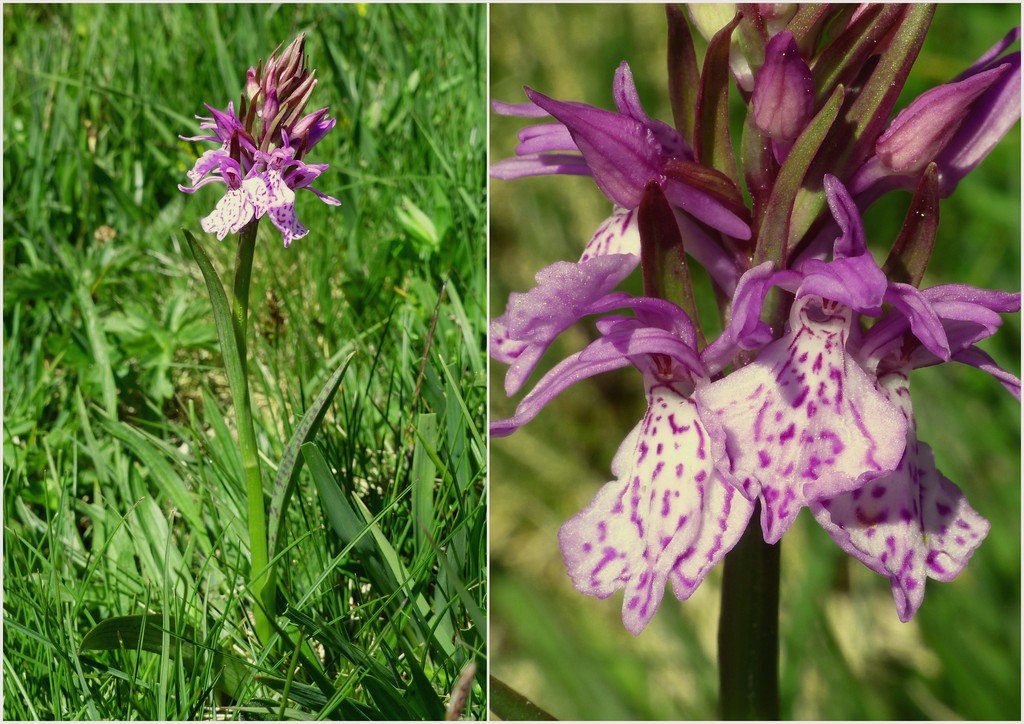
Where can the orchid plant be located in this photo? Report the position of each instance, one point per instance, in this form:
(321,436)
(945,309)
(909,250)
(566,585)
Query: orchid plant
(804,398)
(260,160)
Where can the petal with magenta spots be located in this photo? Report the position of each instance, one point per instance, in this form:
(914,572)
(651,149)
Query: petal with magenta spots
(665,516)
(803,421)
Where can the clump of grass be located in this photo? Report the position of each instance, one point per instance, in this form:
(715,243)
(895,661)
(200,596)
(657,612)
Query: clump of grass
(123,491)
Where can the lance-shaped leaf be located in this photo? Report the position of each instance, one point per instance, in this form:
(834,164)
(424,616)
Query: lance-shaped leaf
(229,344)
(662,255)
(843,59)
(683,73)
(809,21)
(291,460)
(912,249)
(774,232)
(711,140)
(145,632)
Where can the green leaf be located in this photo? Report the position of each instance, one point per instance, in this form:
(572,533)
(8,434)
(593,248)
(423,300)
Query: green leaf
(222,317)
(711,141)
(352,522)
(510,705)
(807,24)
(144,632)
(302,694)
(291,460)
(94,332)
(683,72)
(221,442)
(843,58)
(333,640)
(422,480)
(231,333)
(425,231)
(420,692)
(153,457)
(346,523)
(389,700)
(912,249)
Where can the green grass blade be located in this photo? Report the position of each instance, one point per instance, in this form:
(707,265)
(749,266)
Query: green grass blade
(390,701)
(153,457)
(423,473)
(346,522)
(510,705)
(378,555)
(421,694)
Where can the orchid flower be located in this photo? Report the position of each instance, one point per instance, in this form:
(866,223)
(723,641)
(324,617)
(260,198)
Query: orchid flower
(261,149)
(622,151)
(915,523)
(668,516)
(803,421)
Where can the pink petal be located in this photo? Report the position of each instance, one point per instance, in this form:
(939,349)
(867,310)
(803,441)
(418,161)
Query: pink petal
(667,515)
(287,222)
(272,196)
(909,525)
(232,212)
(802,422)
(209,161)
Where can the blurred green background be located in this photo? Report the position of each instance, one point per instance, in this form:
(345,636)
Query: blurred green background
(845,655)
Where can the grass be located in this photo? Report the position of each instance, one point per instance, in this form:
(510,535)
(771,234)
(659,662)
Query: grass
(123,491)
(844,653)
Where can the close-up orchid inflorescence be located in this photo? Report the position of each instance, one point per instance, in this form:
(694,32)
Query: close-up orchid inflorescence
(804,397)
(262,146)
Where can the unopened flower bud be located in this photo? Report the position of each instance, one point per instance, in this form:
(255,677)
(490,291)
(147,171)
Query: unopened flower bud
(923,129)
(783,100)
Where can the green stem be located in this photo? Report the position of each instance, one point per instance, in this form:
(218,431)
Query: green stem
(247,440)
(748,629)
